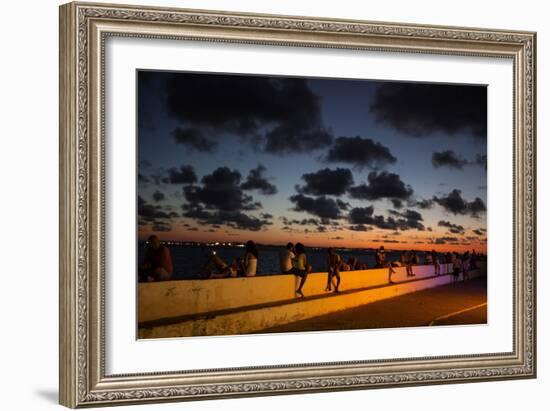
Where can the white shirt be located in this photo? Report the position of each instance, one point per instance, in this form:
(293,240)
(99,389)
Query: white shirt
(285,259)
(250,265)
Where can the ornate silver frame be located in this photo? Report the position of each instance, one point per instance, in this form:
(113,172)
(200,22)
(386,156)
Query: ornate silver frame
(83,30)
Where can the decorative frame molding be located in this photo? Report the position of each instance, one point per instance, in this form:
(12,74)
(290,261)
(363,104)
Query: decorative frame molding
(83,30)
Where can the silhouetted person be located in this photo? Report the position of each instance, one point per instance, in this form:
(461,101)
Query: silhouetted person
(353,263)
(249,263)
(285,258)
(435,262)
(157,263)
(409,261)
(428,258)
(216,267)
(300,267)
(457,266)
(380,257)
(466,266)
(382,262)
(333,264)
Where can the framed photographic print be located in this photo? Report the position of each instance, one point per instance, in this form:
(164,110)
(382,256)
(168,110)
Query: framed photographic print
(257,204)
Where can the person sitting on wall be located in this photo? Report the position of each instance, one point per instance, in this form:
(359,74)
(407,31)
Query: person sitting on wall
(249,264)
(355,264)
(380,257)
(428,258)
(344,266)
(157,263)
(215,267)
(285,258)
(333,264)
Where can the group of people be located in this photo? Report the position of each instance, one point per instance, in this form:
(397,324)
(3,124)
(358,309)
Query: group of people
(462,264)
(293,260)
(157,264)
(216,267)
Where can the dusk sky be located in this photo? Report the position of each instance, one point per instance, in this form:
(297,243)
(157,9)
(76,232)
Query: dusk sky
(347,163)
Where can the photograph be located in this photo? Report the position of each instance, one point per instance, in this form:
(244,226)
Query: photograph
(276,204)
(262,203)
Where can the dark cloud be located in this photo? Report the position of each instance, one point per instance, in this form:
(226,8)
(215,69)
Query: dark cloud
(397,203)
(423,204)
(361,152)
(419,110)
(327,182)
(359,227)
(381,185)
(448,158)
(233,219)
(257,181)
(453,228)
(361,215)
(455,204)
(221,201)
(161,226)
(221,190)
(410,219)
(481,160)
(280,115)
(185,174)
(149,212)
(445,240)
(236,219)
(323,206)
(158,196)
(477,231)
(406,220)
(304,221)
(267,216)
(343,204)
(194,138)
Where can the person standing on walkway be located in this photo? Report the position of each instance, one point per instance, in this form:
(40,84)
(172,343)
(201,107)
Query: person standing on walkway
(457,266)
(333,264)
(300,267)
(435,261)
(466,266)
(409,261)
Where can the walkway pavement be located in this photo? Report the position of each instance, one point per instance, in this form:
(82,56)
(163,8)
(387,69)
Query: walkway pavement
(451,304)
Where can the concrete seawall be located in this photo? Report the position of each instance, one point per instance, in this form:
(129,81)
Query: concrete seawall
(166,299)
(244,305)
